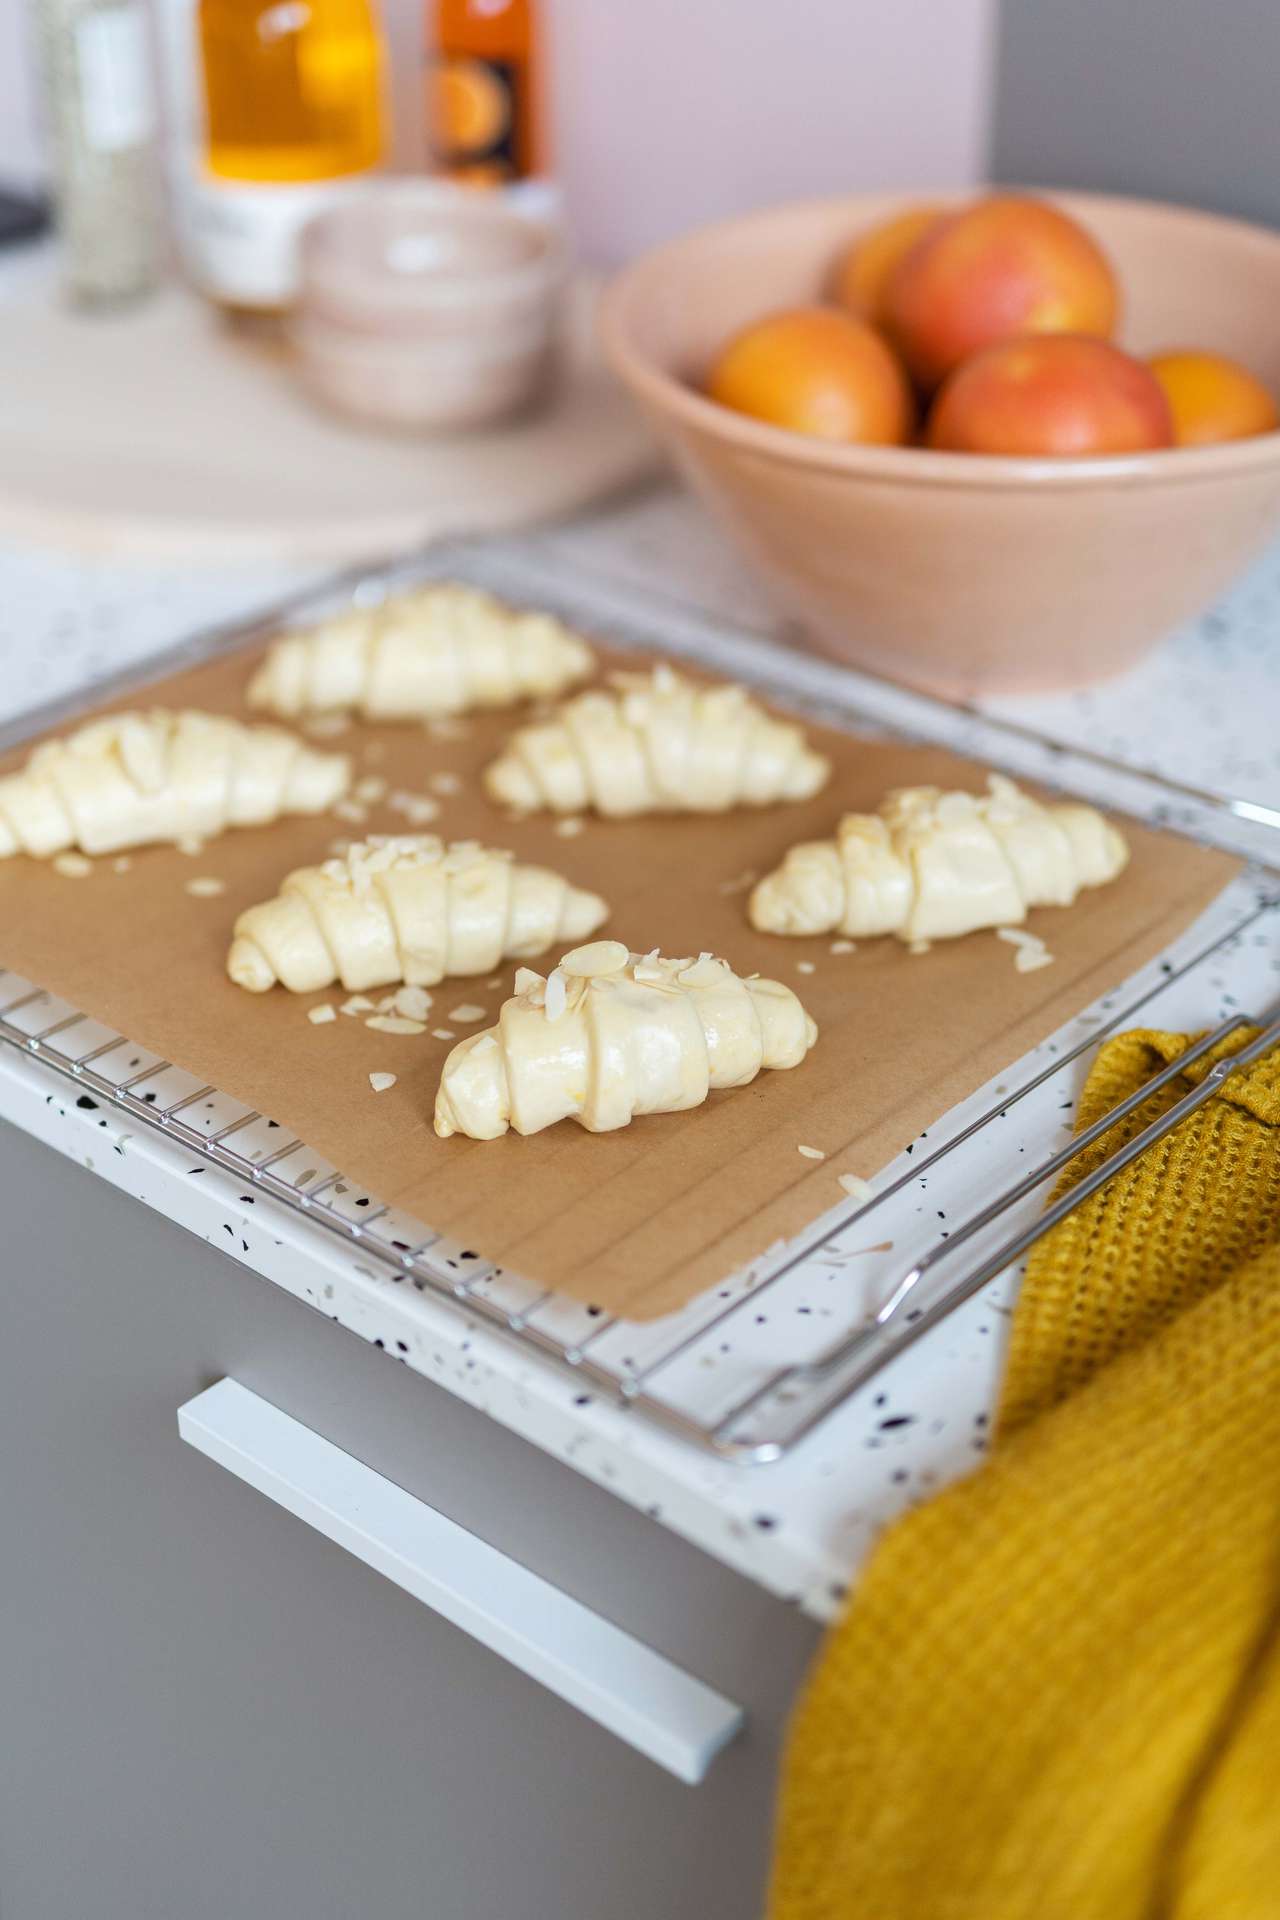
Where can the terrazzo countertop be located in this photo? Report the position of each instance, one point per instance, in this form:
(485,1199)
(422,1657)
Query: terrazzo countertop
(1203,709)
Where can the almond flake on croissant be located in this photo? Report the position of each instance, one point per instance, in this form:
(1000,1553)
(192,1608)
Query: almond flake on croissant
(929,865)
(658,744)
(132,778)
(443,649)
(405,908)
(609,1034)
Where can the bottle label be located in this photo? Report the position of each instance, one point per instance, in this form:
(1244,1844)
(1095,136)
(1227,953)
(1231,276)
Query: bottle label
(115,79)
(474,109)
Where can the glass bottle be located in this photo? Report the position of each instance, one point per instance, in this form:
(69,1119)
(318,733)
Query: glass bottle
(277,106)
(483,88)
(101,97)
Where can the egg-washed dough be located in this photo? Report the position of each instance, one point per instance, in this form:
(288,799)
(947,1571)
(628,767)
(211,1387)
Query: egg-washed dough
(656,743)
(929,865)
(442,649)
(406,908)
(132,778)
(610,1034)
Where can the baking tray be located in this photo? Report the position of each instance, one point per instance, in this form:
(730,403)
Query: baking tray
(647,1368)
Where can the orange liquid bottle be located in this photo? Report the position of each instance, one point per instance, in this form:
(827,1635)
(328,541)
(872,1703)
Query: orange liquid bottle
(482,84)
(292,89)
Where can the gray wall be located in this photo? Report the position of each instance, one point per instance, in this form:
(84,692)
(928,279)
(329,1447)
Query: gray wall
(1172,99)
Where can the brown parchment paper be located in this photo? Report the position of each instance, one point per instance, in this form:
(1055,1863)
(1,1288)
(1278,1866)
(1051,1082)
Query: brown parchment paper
(641,1220)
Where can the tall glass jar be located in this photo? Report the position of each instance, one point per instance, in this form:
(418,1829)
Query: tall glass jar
(102,118)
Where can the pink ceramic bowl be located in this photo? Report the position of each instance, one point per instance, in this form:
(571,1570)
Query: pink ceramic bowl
(965,573)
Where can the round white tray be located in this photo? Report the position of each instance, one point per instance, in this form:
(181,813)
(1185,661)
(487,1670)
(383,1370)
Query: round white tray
(165,431)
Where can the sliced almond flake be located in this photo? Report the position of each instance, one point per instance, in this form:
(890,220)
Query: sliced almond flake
(569,826)
(322,1015)
(417,809)
(1019,937)
(445,783)
(495,982)
(387,1004)
(381,1081)
(812,1153)
(205,885)
(1026,960)
(442,1033)
(919,946)
(358,1003)
(556,998)
(394,1023)
(597,956)
(526,979)
(370,789)
(466,1015)
(189,843)
(805,966)
(351,810)
(703,972)
(741,883)
(855,1186)
(122,864)
(843,946)
(72,866)
(413,1002)
(324,726)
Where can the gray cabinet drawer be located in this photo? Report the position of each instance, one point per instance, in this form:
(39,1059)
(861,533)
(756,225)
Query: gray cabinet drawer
(211,1710)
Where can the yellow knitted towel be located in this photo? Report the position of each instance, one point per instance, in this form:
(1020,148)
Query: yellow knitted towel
(1056,1694)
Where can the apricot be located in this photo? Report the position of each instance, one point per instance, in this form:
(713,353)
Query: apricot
(862,273)
(1054,394)
(1003,267)
(816,371)
(1212,398)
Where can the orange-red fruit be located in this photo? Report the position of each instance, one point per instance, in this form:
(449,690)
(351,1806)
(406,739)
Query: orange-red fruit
(1004,267)
(863,271)
(1060,394)
(1212,398)
(816,371)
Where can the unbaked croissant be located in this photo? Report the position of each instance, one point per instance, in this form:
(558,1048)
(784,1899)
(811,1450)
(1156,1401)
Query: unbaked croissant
(131,778)
(406,908)
(443,649)
(609,1034)
(929,865)
(658,744)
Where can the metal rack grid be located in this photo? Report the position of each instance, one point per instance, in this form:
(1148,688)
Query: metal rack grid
(766,1420)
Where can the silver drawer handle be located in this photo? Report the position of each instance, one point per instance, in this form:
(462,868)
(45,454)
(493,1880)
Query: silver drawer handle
(615,1680)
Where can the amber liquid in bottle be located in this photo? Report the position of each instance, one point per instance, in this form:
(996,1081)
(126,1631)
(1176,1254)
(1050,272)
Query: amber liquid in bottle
(293,89)
(482,90)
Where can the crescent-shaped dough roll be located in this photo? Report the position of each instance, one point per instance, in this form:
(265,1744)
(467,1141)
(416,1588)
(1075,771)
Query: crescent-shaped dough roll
(132,778)
(406,908)
(657,744)
(609,1034)
(929,865)
(443,649)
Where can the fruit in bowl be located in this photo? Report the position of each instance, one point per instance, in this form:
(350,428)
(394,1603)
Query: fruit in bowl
(1002,312)
(1003,267)
(862,275)
(817,371)
(1212,398)
(1051,394)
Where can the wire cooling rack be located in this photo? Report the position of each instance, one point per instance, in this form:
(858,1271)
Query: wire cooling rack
(783,1386)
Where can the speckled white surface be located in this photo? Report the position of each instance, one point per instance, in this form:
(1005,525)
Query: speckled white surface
(799,1527)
